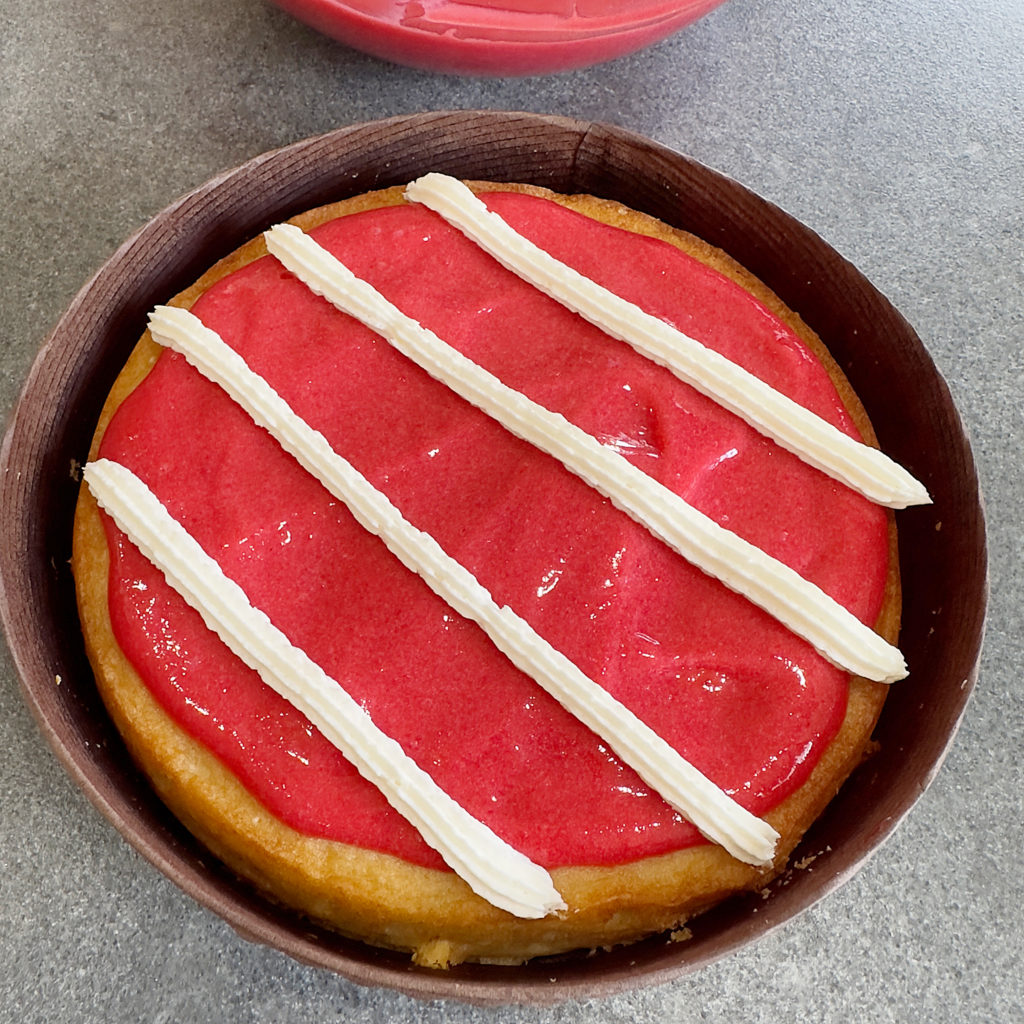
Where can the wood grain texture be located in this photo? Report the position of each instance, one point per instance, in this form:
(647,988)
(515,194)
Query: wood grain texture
(943,556)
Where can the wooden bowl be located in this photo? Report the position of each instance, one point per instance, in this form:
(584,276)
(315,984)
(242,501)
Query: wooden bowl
(942,546)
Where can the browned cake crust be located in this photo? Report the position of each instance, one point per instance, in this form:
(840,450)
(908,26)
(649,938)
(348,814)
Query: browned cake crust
(382,899)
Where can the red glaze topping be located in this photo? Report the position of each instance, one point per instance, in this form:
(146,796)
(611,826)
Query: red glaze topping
(744,700)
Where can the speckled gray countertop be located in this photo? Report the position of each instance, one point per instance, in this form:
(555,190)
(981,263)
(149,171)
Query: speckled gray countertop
(894,130)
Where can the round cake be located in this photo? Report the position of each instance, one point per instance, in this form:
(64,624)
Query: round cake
(771,721)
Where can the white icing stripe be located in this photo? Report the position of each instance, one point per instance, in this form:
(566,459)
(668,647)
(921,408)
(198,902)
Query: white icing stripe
(717,816)
(492,868)
(800,605)
(817,442)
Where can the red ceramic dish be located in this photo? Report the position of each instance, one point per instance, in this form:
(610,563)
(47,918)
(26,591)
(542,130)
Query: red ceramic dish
(942,546)
(498,37)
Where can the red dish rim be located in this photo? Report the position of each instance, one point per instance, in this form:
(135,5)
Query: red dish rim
(529,44)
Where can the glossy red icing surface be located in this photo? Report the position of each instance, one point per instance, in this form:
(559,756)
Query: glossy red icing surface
(748,703)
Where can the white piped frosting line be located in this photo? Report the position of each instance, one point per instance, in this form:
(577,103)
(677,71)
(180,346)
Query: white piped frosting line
(681,785)
(492,868)
(800,605)
(816,441)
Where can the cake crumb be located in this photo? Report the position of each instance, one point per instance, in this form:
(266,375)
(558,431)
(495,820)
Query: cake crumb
(437,953)
(680,935)
(805,862)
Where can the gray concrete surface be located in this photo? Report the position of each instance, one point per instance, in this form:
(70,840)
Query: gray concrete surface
(894,130)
